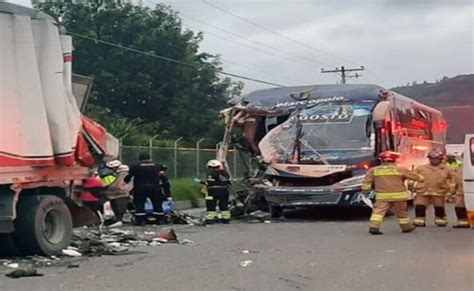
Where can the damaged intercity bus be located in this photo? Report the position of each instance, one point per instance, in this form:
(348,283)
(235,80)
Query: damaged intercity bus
(314,144)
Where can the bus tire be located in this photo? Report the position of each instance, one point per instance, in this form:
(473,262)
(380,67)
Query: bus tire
(43,225)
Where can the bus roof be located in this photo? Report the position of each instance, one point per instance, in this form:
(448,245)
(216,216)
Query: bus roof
(270,98)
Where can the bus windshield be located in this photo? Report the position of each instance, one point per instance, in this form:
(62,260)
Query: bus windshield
(318,130)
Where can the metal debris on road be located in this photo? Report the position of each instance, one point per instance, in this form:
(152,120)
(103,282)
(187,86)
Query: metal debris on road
(246,263)
(26,272)
(188,242)
(71,253)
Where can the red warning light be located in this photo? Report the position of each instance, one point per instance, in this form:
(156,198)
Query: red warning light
(440,126)
(363,165)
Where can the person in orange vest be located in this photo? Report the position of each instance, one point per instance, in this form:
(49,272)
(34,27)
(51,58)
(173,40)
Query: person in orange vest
(439,180)
(459,204)
(388,181)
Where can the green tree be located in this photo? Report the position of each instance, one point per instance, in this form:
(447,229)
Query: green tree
(170,99)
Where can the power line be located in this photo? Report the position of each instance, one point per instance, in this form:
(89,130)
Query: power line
(275,32)
(163,58)
(251,40)
(247,46)
(343,71)
(240,36)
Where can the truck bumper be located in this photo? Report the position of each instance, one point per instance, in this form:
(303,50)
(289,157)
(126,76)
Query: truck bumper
(313,196)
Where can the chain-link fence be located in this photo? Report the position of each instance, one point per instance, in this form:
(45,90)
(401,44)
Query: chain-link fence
(185,162)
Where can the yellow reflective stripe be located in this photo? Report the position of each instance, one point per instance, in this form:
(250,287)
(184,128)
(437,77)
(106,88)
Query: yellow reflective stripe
(387,172)
(109,179)
(441,221)
(392,195)
(209,197)
(211,215)
(225,214)
(376,217)
(404,220)
(366,186)
(419,221)
(463,222)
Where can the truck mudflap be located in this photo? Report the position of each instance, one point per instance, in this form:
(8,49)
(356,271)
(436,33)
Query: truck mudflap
(7,209)
(314,196)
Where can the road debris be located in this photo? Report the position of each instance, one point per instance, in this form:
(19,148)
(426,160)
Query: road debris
(246,263)
(73,266)
(170,235)
(24,272)
(12,265)
(258,215)
(71,253)
(188,242)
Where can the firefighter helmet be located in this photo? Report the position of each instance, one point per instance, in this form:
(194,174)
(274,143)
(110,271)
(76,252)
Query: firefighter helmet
(389,156)
(435,155)
(214,164)
(114,164)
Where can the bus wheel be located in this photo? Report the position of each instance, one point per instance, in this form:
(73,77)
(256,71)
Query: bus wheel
(276,211)
(43,225)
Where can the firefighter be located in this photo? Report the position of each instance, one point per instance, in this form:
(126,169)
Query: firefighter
(119,205)
(437,183)
(217,185)
(453,163)
(459,204)
(388,180)
(146,182)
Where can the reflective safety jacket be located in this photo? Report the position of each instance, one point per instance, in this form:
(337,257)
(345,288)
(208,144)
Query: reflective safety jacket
(109,179)
(458,181)
(439,180)
(455,165)
(388,180)
(217,182)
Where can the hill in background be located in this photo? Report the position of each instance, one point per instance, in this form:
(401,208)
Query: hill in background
(452,96)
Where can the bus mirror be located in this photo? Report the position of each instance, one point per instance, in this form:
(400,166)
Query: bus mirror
(368,126)
(471,151)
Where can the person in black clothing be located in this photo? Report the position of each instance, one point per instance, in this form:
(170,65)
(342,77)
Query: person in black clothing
(217,184)
(147,182)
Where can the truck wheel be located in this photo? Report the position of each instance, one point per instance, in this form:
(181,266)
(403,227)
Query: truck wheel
(8,248)
(275,211)
(43,225)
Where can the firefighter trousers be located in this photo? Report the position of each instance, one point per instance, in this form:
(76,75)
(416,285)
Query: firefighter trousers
(141,193)
(213,199)
(421,204)
(381,208)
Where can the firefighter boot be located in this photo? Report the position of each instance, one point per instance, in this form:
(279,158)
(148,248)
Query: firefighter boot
(375,231)
(410,229)
(420,213)
(211,217)
(139,219)
(440,216)
(462,218)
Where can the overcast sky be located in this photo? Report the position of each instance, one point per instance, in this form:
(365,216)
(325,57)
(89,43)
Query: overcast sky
(398,41)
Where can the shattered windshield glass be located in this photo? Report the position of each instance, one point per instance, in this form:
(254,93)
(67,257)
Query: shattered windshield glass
(333,126)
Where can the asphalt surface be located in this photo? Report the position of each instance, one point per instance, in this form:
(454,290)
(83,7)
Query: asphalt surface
(330,250)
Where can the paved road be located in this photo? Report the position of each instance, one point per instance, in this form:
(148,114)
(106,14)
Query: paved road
(306,252)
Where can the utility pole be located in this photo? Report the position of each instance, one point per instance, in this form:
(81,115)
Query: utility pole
(344,71)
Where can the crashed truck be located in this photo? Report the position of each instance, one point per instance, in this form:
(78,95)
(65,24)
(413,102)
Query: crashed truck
(47,147)
(312,145)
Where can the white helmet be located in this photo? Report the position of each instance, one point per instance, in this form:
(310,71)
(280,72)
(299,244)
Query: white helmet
(214,164)
(114,164)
